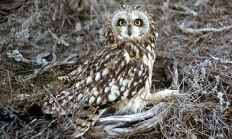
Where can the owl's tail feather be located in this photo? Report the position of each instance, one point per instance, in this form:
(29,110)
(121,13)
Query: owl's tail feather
(82,124)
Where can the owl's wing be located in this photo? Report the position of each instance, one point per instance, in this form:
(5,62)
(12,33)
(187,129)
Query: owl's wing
(112,75)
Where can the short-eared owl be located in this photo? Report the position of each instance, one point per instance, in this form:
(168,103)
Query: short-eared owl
(118,76)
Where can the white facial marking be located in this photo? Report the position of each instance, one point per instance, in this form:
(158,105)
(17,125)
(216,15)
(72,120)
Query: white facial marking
(105,72)
(89,80)
(129,17)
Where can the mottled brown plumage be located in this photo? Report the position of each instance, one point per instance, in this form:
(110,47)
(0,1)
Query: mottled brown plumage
(118,76)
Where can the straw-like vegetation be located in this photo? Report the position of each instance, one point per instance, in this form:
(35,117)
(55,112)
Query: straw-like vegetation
(41,40)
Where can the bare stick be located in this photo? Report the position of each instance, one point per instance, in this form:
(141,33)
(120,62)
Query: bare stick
(9,80)
(175,84)
(112,126)
(198,31)
(52,65)
(224,61)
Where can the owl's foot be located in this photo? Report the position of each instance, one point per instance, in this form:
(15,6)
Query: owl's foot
(154,98)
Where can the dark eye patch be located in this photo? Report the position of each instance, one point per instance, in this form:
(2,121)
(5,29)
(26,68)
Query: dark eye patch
(121,22)
(138,22)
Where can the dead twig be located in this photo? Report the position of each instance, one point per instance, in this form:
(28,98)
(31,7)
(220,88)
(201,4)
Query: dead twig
(223,61)
(10,5)
(9,80)
(113,126)
(55,64)
(187,10)
(199,31)
(175,83)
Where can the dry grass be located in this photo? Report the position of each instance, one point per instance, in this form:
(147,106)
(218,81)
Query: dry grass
(194,55)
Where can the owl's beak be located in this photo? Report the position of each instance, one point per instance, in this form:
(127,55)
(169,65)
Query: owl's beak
(129,30)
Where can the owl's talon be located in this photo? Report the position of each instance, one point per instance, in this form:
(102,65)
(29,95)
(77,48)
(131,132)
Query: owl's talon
(154,98)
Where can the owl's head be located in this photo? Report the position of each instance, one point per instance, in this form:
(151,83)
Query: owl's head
(129,23)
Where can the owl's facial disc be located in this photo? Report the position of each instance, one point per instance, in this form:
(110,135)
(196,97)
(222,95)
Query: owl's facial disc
(130,24)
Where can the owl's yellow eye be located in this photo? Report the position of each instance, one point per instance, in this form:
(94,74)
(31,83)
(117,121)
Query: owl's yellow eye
(121,22)
(138,22)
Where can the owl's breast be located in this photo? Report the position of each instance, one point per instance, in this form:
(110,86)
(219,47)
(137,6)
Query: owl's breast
(135,104)
(139,101)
